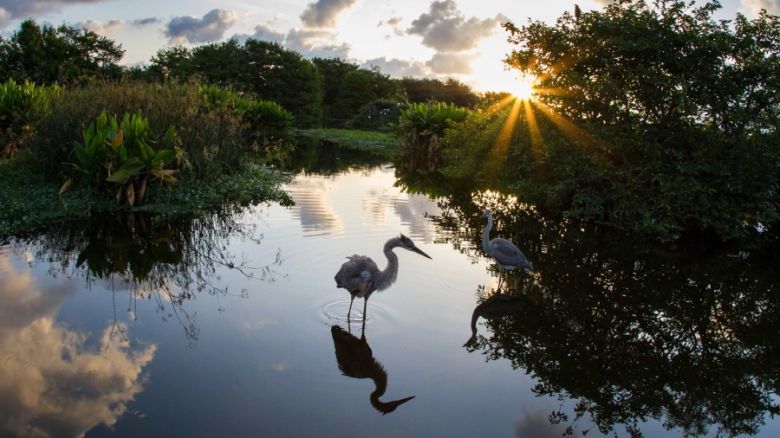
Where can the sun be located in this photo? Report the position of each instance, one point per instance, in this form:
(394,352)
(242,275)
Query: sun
(522,87)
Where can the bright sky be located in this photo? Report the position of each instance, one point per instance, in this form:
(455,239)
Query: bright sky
(446,38)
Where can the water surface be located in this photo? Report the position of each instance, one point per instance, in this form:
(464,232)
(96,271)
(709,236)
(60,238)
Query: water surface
(232,325)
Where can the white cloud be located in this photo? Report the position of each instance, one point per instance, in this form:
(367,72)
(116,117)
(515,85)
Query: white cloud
(210,28)
(310,43)
(450,63)
(323,13)
(752,7)
(262,33)
(100,27)
(315,43)
(51,382)
(445,29)
(397,68)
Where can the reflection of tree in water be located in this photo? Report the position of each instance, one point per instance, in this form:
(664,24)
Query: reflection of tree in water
(167,261)
(327,158)
(631,331)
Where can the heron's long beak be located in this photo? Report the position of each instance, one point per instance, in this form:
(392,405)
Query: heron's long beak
(421,252)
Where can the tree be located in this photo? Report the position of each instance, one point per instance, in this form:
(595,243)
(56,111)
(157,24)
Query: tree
(674,114)
(172,63)
(48,55)
(332,71)
(285,77)
(434,90)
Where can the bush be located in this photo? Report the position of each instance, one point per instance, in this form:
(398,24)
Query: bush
(268,121)
(377,115)
(214,139)
(121,155)
(21,106)
(421,126)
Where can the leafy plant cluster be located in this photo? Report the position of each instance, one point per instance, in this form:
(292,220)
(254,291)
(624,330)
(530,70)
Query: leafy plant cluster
(121,154)
(421,127)
(21,106)
(653,118)
(267,121)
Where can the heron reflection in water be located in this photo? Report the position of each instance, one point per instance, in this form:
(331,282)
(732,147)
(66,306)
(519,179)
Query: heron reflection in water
(497,306)
(506,254)
(356,359)
(361,276)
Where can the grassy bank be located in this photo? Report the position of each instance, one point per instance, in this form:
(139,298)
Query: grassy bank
(30,201)
(380,143)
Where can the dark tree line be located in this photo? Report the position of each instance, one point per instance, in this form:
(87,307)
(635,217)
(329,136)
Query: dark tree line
(319,92)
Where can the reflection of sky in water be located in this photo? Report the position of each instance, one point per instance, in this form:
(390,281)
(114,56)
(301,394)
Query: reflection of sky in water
(55,381)
(327,205)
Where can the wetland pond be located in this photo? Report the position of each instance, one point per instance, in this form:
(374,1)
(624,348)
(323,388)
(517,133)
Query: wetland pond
(232,325)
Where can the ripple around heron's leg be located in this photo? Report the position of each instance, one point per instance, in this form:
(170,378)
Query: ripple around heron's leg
(335,312)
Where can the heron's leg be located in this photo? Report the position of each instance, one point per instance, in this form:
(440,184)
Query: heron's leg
(352,299)
(365,305)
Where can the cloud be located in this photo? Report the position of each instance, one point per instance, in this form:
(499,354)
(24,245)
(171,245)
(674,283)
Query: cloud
(323,13)
(397,68)
(100,27)
(210,28)
(262,33)
(12,9)
(536,424)
(392,21)
(310,43)
(51,382)
(315,43)
(752,7)
(146,21)
(445,29)
(450,63)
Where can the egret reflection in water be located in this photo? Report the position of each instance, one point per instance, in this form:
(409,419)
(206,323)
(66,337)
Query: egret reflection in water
(360,276)
(355,359)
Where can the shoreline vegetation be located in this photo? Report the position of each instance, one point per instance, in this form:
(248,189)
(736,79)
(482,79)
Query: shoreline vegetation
(670,136)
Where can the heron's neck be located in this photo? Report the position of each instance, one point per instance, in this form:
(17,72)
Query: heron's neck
(474,318)
(387,276)
(486,233)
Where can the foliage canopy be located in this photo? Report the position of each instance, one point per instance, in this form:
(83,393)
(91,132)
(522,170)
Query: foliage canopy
(650,117)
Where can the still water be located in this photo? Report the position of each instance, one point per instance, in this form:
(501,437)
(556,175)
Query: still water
(232,325)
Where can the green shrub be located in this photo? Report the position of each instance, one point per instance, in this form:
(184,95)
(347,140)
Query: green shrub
(214,139)
(21,106)
(377,115)
(421,127)
(267,121)
(121,155)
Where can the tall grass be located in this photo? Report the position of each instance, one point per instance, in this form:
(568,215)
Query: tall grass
(21,106)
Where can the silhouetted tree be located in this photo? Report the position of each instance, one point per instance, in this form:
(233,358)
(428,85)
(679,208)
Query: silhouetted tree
(48,55)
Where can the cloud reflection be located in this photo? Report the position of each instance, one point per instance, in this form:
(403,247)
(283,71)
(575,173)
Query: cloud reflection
(325,205)
(53,381)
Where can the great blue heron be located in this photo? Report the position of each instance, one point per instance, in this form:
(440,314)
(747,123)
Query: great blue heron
(356,359)
(505,253)
(361,277)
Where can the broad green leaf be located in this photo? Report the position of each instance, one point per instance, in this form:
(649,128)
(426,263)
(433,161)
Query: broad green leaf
(129,169)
